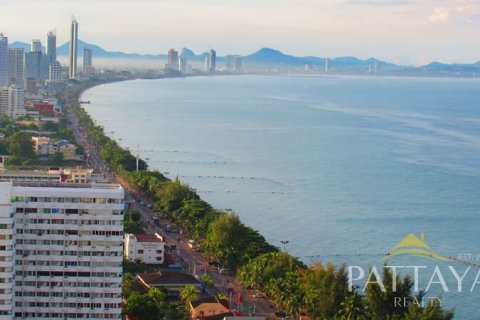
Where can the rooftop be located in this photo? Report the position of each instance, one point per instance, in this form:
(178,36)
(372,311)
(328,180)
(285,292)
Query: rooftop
(198,302)
(167,277)
(148,238)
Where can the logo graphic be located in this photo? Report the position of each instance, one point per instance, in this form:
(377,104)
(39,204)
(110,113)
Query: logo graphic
(414,246)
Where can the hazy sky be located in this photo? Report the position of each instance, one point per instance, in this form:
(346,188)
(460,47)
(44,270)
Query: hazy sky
(403,31)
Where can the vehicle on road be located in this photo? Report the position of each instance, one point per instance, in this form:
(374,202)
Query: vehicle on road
(224,271)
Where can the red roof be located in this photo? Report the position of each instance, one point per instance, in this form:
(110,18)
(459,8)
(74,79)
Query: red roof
(148,238)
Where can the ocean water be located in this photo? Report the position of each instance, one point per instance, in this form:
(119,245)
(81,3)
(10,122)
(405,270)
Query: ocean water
(343,168)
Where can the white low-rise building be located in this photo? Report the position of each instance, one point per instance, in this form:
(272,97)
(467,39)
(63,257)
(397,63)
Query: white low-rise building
(62,250)
(148,248)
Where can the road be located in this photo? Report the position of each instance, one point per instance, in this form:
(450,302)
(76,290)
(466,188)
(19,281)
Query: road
(192,261)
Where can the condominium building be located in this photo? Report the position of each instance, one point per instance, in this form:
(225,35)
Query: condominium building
(55,71)
(3,60)
(62,250)
(52,46)
(12,101)
(36,46)
(73,49)
(87,60)
(147,248)
(16,67)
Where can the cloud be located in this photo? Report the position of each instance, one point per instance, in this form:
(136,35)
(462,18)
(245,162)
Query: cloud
(468,10)
(440,15)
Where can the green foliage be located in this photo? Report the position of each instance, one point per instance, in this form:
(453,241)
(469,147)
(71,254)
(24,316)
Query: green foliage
(57,158)
(20,146)
(325,289)
(189,294)
(127,285)
(131,227)
(232,243)
(207,279)
(141,306)
(172,194)
(266,267)
(382,303)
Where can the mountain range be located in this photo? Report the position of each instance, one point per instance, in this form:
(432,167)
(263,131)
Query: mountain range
(269,57)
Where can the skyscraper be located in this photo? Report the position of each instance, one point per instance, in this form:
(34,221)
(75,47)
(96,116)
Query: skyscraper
(72,54)
(238,64)
(52,46)
(87,60)
(36,46)
(3,60)
(172,57)
(212,61)
(16,67)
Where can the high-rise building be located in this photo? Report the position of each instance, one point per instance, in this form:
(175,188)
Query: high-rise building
(238,64)
(72,53)
(183,62)
(327,65)
(12,104)
(3,60)
(16,69)
(36,66)
(172,57)
(87,60)
(55,71)
(52,46)
(61,251)
(212,61)
(229,62)
(206,65)
(36,46)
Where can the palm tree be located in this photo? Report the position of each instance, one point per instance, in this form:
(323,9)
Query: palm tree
(189,294)
(352,307)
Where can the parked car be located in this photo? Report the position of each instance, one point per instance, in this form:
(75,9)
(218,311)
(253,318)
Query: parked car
(224,271)
(259,295)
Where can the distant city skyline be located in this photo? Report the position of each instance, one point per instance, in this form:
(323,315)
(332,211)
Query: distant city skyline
(401,31)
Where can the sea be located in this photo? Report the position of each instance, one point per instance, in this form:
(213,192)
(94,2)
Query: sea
(336,169)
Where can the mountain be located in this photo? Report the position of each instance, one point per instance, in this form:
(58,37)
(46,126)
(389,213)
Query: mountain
(268,58)
(22,45)
(100,52)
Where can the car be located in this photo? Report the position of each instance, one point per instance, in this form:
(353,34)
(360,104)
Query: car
(259,295)
(224,271)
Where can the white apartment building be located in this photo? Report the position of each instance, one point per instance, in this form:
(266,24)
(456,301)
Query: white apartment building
(148,248)
(60,250)
(12,101)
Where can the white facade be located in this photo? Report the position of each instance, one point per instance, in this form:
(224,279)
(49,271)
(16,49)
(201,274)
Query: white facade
(63,258)
(148,248)
(72,54)
(55,71)
(16,71)
(12,101)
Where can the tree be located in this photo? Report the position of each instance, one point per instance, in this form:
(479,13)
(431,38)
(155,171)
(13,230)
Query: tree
(141,306)
(207,279)
(20,146)
(260,270)
(172,194)
(189,294)
(127,285)
(380,302)
(325,288)
(352,307)
(57,158)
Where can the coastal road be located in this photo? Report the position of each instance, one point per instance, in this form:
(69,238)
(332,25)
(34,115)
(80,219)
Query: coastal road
(192,260)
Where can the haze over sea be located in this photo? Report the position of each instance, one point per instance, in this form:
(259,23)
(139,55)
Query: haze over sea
(343,168)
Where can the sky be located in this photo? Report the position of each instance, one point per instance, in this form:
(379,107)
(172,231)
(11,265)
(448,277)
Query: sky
(409,32)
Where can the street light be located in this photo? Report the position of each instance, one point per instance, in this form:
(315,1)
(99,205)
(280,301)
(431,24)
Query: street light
(284,242)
